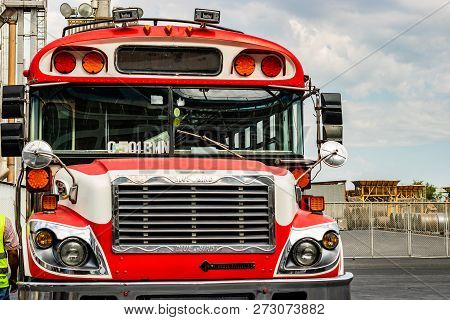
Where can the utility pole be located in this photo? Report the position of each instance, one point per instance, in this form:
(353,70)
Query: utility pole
(11,81)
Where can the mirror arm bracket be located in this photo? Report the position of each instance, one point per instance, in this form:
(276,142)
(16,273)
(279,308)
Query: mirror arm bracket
(315,165)
(73,194)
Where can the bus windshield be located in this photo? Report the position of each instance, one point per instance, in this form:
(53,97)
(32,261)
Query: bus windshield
(148,120)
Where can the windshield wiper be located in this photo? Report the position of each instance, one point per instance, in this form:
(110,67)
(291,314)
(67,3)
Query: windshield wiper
(206,139)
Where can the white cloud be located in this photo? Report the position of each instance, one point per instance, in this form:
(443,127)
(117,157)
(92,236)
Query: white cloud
(388,101)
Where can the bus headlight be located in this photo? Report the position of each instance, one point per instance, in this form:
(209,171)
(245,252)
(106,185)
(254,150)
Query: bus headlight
(305,253)
(73,252)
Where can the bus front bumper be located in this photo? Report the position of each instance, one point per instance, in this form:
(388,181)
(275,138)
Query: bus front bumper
(285,289)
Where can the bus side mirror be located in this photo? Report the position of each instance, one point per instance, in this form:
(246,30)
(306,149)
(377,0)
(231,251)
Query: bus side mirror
(12,134)
(332,122)
(12,139)
(13,104)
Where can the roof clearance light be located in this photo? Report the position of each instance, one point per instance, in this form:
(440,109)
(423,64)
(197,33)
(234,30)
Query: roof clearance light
(244,65)
(127,15)
(93,62)
(271,66)
(207,16)
(64,62)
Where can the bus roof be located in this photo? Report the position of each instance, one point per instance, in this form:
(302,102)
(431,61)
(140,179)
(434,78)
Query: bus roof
(107,40)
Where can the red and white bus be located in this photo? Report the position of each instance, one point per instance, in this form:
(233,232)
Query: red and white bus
(165,159)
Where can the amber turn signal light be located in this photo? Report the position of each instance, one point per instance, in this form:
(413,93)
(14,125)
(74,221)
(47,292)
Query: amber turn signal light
(244,65)
(49,202)
(330,240)
(93,62)
(38,180)
(316,204)
(44,239)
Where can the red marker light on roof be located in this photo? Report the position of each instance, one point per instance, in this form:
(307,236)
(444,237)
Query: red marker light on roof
(271,66)
(168,29)
(244,65)
(64,62)
(189,30)
(93,62)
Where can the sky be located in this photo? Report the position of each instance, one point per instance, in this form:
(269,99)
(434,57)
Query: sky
(390,60)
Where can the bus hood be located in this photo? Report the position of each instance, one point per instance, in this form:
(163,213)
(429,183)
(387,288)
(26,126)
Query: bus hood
(95,180)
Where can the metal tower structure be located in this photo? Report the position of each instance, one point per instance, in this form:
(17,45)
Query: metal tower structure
(31,32)
(20,20)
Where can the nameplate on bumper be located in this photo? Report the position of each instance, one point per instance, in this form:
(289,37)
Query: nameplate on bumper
(206,266)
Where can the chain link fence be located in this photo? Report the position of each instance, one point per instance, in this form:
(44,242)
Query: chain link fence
(393,229)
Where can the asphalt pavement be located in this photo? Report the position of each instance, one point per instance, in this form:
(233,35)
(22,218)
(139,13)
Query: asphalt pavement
(399,278)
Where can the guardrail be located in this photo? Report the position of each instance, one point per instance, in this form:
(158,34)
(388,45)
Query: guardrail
(393,229)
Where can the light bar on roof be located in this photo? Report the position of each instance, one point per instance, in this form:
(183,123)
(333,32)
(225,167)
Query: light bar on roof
(127,15)
(207,16)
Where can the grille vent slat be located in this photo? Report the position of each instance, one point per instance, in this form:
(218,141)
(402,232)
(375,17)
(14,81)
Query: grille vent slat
(151,214)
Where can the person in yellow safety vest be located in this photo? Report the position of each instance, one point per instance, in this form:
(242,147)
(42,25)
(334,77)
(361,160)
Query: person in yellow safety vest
(9,255)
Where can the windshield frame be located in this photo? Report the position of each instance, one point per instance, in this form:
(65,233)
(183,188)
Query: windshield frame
(271,156)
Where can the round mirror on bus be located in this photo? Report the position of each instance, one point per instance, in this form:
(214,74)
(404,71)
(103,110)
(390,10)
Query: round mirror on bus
(37,154)
(334,154)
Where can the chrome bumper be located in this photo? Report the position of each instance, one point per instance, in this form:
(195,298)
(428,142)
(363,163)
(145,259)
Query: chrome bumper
(286,289)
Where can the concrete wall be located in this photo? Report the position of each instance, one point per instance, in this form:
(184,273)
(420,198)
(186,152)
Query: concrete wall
(331,192)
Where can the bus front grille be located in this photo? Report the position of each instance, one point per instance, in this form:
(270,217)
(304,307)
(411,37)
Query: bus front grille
(221,216)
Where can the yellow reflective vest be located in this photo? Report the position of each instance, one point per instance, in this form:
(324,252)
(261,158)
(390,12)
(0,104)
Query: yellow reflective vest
(3,256)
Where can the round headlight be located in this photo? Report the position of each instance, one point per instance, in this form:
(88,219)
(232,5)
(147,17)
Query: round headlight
(73,252)
(44,239)
(330,240)
(305,253)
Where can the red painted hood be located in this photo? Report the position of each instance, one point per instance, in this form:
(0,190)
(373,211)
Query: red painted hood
(202,164)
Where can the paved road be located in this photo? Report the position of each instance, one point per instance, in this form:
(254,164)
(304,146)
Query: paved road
(401,278)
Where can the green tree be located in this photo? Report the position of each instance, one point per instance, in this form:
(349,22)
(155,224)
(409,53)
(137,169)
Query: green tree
(430,190)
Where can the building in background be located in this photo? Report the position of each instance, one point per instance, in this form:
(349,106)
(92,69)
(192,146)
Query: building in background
(385,191)
(332,191)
